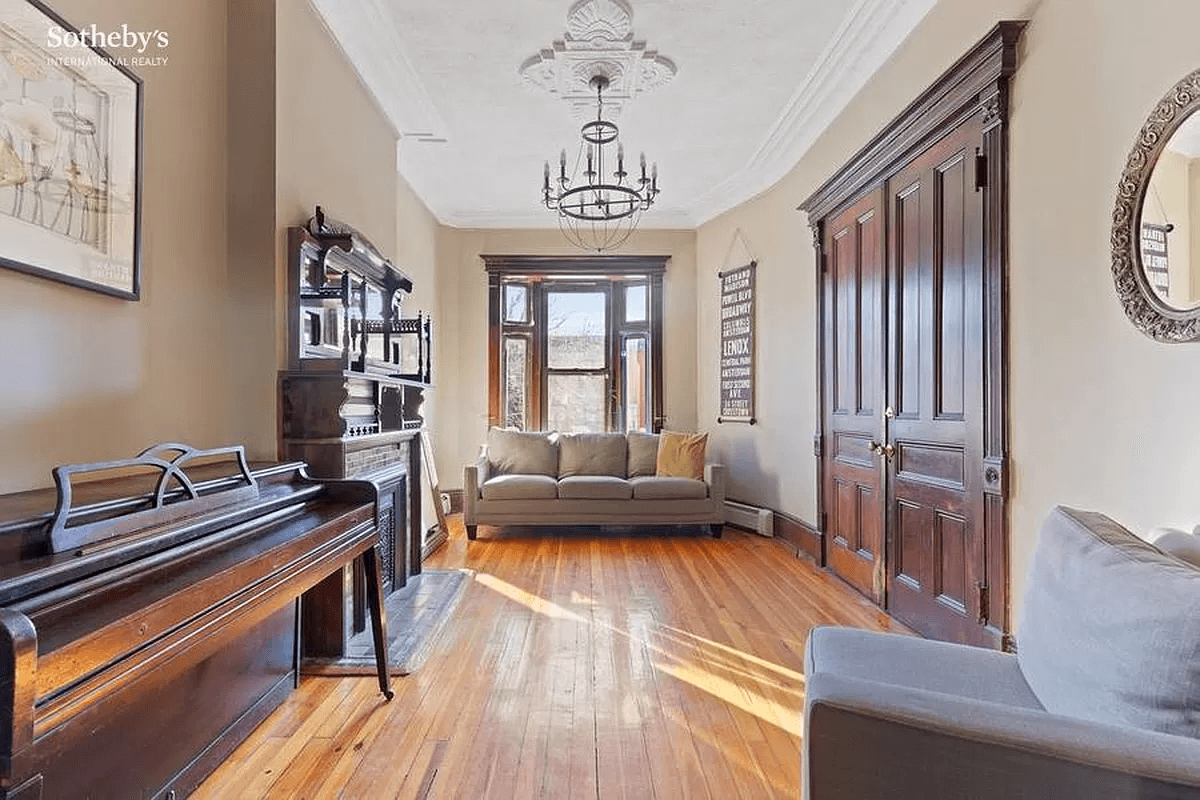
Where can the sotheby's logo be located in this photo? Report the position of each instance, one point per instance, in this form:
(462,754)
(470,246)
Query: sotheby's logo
(125,38)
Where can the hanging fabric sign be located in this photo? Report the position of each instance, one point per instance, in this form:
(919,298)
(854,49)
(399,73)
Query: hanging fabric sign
(737,345)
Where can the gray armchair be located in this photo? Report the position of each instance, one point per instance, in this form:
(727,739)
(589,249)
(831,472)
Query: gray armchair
(1102,699)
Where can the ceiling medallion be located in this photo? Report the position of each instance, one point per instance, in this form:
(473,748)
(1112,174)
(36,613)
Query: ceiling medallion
(598,62)
(598,41)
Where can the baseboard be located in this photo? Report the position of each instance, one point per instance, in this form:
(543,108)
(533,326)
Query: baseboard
(799,535)
(437,537)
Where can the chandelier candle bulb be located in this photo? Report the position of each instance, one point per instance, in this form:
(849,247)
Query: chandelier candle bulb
(562,165)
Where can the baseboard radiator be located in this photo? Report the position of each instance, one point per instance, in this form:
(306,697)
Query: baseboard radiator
(752,518)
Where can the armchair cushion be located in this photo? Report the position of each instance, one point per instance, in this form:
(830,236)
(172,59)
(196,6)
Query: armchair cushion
(591,454)
(899,660)
(521,453)
(1110,629)
(865,739)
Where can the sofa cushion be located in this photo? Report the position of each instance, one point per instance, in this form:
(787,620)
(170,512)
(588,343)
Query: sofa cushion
(519,487)
(661,488)
(591,454)
(522,453)
(594,487)
(895,659)
(643,453)
(1110,628)
(681,455)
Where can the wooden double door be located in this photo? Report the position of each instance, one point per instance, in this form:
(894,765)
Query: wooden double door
(903,379)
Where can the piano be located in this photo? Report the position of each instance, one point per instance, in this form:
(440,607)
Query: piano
(149,614)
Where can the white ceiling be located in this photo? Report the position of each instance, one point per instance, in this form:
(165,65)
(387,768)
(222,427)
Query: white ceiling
(757,82)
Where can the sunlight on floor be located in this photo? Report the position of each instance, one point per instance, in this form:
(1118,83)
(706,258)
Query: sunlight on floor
(741,679)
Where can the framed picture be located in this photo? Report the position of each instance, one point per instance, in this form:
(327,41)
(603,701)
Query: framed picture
(70,153)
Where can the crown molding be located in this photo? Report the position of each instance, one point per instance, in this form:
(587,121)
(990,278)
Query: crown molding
(656,219)
(867,37)
(366,32)
(871,32)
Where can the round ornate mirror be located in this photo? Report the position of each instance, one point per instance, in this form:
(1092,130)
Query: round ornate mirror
(1156,223)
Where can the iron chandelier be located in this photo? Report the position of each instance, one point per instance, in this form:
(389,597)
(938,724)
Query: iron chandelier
(598,210)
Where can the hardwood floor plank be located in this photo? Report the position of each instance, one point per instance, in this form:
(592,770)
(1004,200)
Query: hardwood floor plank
(579,664)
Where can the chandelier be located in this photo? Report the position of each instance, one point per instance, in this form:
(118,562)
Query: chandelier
(599,206)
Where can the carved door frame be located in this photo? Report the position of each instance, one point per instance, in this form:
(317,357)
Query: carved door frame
(977,85)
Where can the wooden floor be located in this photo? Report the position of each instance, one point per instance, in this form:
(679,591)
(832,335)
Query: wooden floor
(587,665)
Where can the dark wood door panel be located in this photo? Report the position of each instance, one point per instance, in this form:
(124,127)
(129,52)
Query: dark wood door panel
(936,387)
(856,541)
(853,337)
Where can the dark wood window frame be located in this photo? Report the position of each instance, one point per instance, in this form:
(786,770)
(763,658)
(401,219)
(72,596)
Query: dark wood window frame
(582,272)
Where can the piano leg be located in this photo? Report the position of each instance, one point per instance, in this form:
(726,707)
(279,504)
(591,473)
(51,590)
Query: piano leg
(378,618)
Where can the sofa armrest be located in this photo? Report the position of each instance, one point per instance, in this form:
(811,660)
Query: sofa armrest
(864,739)
(714,476)
(474,476)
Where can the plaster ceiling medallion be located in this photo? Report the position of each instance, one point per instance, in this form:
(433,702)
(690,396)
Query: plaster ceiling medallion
(598,42)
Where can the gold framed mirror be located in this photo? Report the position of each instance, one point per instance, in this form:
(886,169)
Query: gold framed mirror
(1156,222)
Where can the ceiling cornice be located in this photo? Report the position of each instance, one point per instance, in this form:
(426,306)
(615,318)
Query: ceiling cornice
(538,219)
(367,33)
(868,36)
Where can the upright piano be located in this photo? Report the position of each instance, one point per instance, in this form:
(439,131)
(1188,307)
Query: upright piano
(149,614)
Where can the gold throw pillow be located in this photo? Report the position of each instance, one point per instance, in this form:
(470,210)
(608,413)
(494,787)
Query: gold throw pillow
(681,455)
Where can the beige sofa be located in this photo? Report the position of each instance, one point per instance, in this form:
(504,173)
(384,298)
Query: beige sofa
(584,479)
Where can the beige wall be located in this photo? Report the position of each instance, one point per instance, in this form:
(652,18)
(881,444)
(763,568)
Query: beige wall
(416,254)
(94,378)
(1102,417)
(89,377)
(462,368)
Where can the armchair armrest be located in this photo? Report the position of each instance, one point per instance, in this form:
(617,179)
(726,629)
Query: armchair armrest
(714,476)
(872,740)
(474,476)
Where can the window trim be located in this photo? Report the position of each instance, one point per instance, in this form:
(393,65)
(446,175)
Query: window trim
(596,269)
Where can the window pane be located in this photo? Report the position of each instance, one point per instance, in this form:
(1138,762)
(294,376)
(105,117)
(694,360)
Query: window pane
(515,372)
(634,358)
(575,325)
(635,303)
(576,403)
(516,303)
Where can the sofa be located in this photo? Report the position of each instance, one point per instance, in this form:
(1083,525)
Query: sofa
(1101,699)
(547,478)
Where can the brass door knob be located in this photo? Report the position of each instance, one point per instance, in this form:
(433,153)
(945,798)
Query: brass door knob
(873,446)
(887,451)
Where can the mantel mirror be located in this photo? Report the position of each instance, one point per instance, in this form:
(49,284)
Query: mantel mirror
(1156,223)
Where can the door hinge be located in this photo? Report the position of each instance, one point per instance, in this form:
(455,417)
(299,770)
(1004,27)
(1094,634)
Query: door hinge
(983,603)
(818,445)
(821,520)
(824,262)
(981,170)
